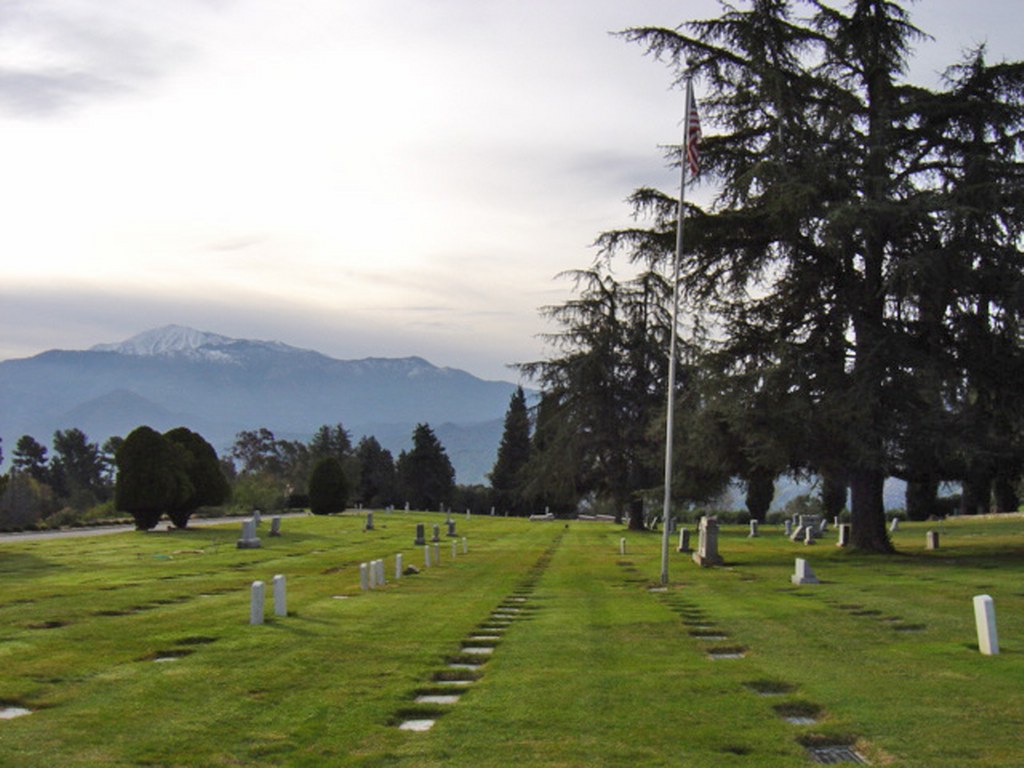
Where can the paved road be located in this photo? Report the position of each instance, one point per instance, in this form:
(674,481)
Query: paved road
(67,533)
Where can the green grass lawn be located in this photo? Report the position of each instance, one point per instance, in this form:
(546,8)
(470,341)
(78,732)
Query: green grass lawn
(589,665)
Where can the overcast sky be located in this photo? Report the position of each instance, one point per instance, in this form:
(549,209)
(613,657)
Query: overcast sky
(359,177)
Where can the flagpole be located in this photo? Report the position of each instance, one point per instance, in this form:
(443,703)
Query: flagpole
(670,406)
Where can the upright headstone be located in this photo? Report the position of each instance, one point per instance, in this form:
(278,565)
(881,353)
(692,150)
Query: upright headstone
(707,543)
(257,517)
(249,539)
(467,514)
(835,521)
(451,528)
(437,554)
(256,603)
(364,576)
(280,596)
(381,579)
(753,530)
(426,555)
(894,525)
(931,540)
(622,546)
(492,511)
(421,536)
(844,535)
(407,506)
(455,547)
(823,527)
(437,532)
(369,521)
(789,527)
(799,533)
(804,574)
(808,535)
(684,539)
(275,525)
(985,619)
(465,546)
(398,566)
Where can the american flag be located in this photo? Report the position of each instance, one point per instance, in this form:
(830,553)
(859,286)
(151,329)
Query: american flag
(692,132)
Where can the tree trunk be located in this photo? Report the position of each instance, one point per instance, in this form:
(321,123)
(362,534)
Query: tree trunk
(922,495)
(636,514)
(867,511)
(833,492)
(1005,494)
(976,491)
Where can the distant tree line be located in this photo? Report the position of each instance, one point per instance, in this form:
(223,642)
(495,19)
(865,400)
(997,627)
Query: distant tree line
(148,475)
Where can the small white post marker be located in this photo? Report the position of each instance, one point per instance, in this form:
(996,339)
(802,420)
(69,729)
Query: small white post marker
(280,596)
(256,603)
(985,619)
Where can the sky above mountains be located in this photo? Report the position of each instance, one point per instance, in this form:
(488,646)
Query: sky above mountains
(360,177)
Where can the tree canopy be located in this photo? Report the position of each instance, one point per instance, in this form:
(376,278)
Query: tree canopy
(851,295)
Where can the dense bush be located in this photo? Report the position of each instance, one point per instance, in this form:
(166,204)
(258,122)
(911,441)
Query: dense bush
(209,487)
(328,487)
(151,477)
(24,502)
(260,490)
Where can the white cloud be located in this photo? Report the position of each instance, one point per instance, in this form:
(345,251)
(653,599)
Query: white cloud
(324,168)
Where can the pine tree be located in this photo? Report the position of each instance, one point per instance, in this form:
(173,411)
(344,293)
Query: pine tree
(507,478)
(842,249)
(425,473)
(376,473)
(30,456)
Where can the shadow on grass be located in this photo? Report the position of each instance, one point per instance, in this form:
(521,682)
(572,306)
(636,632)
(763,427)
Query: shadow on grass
(26,563)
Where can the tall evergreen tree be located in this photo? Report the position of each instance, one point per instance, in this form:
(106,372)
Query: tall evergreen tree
(835,212)
(331,441)
(603,387)
(425,473)
(30,456)
(376,473)
(76,468)
(507,478)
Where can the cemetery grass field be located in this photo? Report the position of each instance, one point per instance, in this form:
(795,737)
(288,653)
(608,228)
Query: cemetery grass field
(591,666)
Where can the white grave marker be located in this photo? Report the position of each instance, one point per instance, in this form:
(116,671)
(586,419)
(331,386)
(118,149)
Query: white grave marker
(280,596)
(256,603)
(364,576)
(804,574)
(985,619)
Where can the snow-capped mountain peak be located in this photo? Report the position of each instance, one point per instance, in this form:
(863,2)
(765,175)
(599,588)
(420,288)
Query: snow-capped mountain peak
(169,340)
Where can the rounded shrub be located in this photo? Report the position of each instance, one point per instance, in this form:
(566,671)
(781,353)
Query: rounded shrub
(328,488)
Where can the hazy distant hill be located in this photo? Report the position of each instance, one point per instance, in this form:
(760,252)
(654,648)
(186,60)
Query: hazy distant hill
(219,386)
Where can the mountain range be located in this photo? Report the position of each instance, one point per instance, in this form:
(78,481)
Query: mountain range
(219,386)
